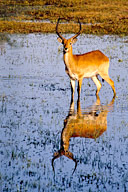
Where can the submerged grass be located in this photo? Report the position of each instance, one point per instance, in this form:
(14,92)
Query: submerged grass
(97,16)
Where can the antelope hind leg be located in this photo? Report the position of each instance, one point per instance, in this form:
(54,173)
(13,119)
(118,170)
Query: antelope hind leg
(97,83)
(109,81)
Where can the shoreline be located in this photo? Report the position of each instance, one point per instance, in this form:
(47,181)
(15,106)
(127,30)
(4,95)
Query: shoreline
(48,27)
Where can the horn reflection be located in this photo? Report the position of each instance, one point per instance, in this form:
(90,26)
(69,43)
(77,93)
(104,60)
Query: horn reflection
(88,124)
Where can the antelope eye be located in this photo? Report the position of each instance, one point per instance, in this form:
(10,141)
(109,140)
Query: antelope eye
(70,43)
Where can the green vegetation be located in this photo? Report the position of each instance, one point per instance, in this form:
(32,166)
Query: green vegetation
(97,16)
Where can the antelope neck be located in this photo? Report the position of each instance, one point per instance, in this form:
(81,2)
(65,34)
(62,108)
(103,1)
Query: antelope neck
(68,56)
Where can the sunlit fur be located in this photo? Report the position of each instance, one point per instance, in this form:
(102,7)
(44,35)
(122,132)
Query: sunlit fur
(87,65)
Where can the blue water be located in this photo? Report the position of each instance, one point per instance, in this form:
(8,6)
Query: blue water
(34,103)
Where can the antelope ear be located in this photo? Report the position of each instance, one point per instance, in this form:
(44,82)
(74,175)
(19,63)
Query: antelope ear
(74,40)
(60,40)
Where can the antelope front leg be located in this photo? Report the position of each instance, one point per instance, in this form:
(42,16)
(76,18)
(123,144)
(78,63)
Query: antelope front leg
(72,89)
(79,87)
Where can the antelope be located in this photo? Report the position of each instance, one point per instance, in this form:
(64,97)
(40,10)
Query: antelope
(90,124)
(87,65)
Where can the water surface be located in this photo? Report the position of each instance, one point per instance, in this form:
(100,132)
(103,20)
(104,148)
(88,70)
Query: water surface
(35,104)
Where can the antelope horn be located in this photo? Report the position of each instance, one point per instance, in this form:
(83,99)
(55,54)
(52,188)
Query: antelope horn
(70,156)
(75,36)
(57,30)
(75,166)
(59,154)
(56,155)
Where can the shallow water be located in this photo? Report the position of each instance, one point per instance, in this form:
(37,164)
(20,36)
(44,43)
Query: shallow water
(35,103)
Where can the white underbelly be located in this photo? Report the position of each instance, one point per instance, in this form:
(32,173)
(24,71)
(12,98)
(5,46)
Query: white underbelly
(74,76)
(90,74)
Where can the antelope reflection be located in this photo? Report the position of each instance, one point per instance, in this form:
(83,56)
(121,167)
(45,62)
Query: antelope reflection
(90,124)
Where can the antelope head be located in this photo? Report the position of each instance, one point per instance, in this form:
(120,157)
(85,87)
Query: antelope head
(66,153)
(67,43)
